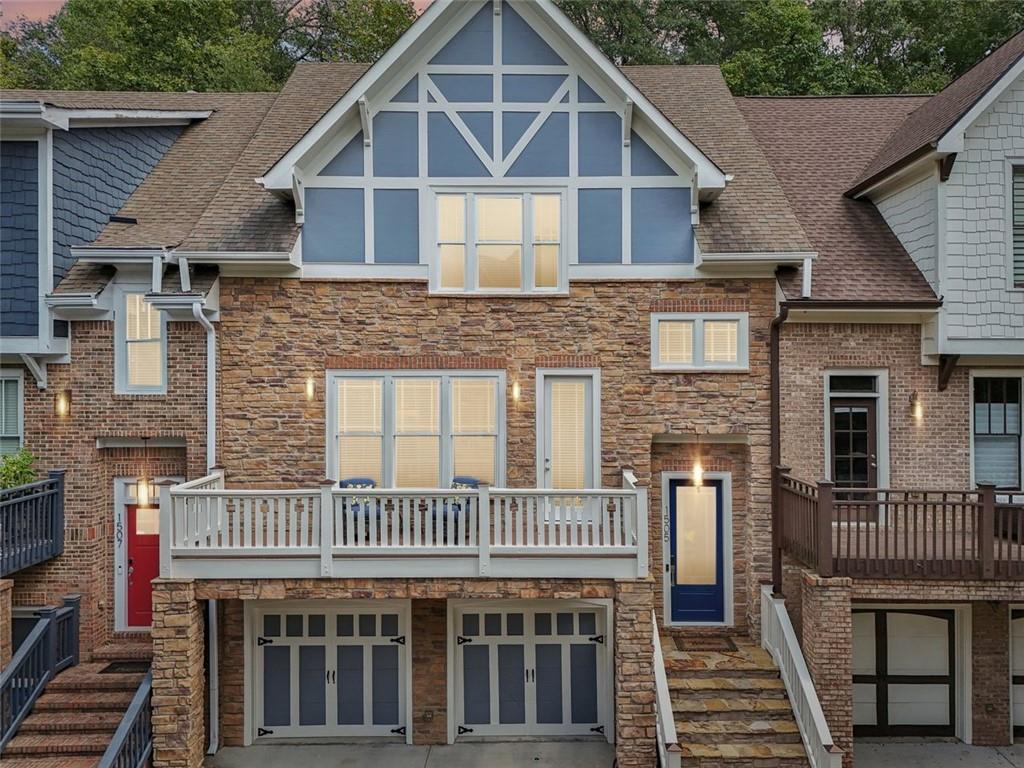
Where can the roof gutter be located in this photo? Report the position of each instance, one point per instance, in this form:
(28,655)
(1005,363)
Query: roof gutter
(839,304)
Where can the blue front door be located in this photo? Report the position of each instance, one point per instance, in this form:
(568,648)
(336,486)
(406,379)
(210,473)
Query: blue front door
(696,566)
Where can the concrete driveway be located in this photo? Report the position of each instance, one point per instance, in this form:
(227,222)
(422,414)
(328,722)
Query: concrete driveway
(512,754)
(933,754)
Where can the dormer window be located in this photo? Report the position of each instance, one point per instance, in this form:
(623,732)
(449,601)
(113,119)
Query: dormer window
(500,242)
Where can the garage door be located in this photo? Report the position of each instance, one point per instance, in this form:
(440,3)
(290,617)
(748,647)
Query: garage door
(904,673)
(330,672)
(1017,670)
(535,672)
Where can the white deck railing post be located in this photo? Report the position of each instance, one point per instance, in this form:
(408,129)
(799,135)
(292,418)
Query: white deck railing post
(483,517)
(166,529)
(642,546)
(326,528)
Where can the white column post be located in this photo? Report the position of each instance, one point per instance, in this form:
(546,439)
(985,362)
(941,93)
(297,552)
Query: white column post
(642,547)
(166,528)
(484,528)
(326,528)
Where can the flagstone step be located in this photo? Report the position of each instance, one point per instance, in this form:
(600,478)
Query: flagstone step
(771,687)
(744,754)
(760,731)
(690,708)
(64,761)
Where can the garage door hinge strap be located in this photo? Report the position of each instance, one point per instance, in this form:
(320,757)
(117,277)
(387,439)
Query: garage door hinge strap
(260,641)
(597,639)
(463,729)
(400,731)
(598,729)
(400,640)
(264,732)
(460,640)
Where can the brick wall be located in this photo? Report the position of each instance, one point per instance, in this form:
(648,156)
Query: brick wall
(429,672)
(990,673)
(809,349)
(86,566)
(6,623)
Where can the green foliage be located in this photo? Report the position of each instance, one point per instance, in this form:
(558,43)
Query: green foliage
(17,469)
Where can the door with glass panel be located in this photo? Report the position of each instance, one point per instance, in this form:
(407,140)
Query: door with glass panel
(329,672)
(568,438)
(696,564)
(530,672)
(854,443)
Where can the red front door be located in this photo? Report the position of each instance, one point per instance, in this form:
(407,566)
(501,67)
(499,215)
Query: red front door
(143,562)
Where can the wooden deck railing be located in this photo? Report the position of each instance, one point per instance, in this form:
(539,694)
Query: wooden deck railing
(881,533)
(209,531)
(31,523)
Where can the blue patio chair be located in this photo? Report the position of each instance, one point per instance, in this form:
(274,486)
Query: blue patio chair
(451,515)
(361,507)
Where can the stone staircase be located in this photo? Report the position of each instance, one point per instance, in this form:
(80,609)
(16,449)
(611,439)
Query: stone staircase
(730,706)
(74,719)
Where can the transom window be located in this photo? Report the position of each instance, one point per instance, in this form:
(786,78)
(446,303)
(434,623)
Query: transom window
(997,431)
(499,242)
(412,430)
(141,352)
(714,341)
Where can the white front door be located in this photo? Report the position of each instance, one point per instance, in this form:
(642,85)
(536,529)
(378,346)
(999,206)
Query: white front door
(330,670)
(567,447)
(531,672)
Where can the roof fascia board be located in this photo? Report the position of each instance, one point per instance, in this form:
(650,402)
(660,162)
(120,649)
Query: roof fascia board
(778,257)
(953,139)
(894,314)
(31,114)
(708,175)
(926,166)
(120,118)
(115,256)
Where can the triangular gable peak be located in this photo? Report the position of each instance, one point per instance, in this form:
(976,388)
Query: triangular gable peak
(493,91)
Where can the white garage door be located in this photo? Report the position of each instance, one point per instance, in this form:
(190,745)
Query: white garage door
(531,672)
(329,671)
(1017,670)
(903,672)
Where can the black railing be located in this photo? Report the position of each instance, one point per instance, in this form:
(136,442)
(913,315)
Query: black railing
(31,523)
(133,741)
(51,646)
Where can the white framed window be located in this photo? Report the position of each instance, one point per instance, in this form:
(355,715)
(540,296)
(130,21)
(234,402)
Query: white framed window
(11,411)
(715,341)
(416,429)
(140,357)
(500,242)
(996,433)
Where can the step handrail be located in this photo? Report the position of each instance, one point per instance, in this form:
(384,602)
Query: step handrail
(779,639)
(132,743)
(669,753)
(51,645)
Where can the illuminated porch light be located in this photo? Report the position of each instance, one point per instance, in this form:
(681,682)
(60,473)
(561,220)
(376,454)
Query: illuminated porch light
(62,404)
(916,407)
(310,389)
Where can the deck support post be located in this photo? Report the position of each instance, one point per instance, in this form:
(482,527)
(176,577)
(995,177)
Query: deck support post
(987,532)
(825,515)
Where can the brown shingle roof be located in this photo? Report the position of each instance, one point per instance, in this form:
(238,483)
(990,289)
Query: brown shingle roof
(816,147)
(86,278)
(752,214)
(931,120)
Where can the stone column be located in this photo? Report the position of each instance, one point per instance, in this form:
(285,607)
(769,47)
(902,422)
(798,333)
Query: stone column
(178,676)
(827,627)
(429,672)
(990,673)
(635,719)
(6,621)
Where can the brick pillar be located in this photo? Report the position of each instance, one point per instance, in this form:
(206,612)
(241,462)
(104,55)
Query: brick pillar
(635,719)
(827,627)
(178,676)
(6,621)
(990,673)
(429,674)
(232,672)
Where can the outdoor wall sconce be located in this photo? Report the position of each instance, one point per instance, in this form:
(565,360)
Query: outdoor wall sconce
(62,404)
(516,391)
(310,389)
(142,493)
(916,407)
(698,473)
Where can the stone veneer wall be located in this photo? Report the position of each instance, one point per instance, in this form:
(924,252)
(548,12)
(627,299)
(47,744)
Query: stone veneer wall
(809,349)
(634,673)
(6,622)
(86,567)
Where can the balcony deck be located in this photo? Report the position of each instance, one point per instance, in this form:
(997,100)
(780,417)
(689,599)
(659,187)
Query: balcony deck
(900,534)
(31,523)
(209,531)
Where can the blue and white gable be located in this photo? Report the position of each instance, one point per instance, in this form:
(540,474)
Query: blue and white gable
(485,97)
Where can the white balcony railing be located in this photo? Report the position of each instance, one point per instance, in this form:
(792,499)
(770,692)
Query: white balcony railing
(209,531)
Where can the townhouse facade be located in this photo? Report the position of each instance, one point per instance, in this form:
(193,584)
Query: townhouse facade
(495,392)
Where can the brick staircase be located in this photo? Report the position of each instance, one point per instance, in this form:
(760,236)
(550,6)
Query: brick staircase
(74,719)
(731,707)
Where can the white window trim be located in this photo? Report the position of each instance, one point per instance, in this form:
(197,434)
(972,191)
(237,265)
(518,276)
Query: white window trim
(881,415)
(387,404)
(18,375)
(594,449)
(727,550)
(992,373)
(121,385)
(698,319)
(472,272)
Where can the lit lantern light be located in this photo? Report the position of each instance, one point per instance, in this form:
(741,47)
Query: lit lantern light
(916,407)
(143,494)
(310,389)
(62,404)
(516,391)
(698,473)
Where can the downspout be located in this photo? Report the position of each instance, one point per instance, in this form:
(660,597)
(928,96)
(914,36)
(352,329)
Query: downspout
(211,460)
(775,416)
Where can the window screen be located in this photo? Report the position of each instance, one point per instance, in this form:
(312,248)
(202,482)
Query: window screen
(10,415)
(997,431)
